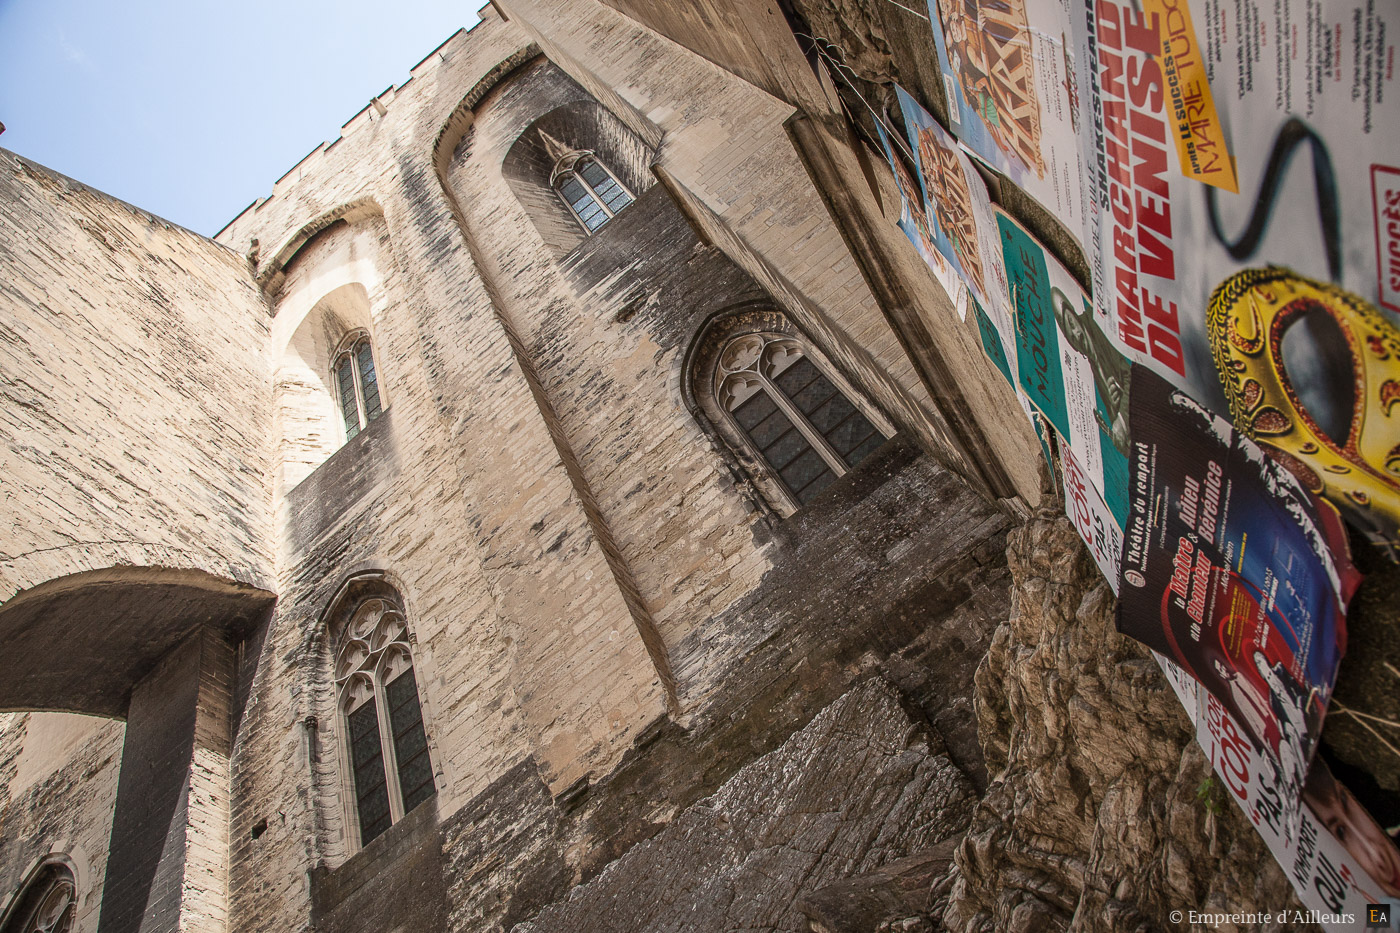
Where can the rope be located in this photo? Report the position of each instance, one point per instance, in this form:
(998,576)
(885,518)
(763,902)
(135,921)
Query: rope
(1347,711)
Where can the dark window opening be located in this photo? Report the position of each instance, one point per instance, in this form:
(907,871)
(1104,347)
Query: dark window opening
(591,192)
(800,424)
(358,385)
(387,743)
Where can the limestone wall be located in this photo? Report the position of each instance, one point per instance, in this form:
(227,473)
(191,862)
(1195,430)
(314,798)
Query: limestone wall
(739,176)
(460,496)
(858,787)
(576,553)
(58,789)
(134,407)
(606,329)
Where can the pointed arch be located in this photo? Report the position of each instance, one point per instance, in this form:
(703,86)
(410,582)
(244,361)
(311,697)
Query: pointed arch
(272,273)
(574,168)
(384,755)
(47,901)
(335,290)
(791,420)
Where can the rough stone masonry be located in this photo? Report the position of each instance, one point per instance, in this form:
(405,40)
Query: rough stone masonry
(406,555)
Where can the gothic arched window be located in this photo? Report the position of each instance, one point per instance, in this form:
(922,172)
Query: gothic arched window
(47,904)
(593,194)
(357,383)
(803,428)
(381,719)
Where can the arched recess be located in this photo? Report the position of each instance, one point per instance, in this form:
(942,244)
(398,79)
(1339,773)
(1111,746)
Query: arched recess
(82,642)
(333,289)
(567,735)
(580,126)
(272,273)
(748,354)
(463,115)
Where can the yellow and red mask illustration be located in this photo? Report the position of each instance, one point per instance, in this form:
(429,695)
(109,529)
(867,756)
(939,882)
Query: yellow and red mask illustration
(1326,406)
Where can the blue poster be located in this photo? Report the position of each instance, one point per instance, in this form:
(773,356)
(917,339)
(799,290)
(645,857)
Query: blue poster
(914,220)
(1234,571)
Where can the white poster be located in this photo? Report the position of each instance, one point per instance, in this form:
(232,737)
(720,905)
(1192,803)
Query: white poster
(1013,82)
(1335,882)
(1092,518)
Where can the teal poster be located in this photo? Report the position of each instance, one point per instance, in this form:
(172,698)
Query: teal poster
(1038,342)
(991,341)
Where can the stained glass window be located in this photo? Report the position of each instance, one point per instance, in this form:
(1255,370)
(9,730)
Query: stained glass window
(592,193)
(47,904)
(358,385)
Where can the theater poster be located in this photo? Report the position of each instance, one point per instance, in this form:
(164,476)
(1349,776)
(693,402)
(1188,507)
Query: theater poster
(1091,517)
(1236,573)
(1073,374)
(913,220)
(1246,244)
(1182,684)
(1338,858)
(992,344)
(992,347)
(1336,878)
(956,202)
(1012,75)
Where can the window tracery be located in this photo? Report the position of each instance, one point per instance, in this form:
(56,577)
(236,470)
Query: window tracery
(801,426)
(593,194)
(48,903)
(390,771)
(357,384)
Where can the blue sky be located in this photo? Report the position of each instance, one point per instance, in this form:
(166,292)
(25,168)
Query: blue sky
(193,109)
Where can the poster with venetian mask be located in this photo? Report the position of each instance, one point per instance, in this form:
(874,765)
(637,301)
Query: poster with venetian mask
(1012,74)
(1246,236)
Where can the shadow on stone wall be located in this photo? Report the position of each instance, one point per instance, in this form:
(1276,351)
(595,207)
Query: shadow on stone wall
(860,786)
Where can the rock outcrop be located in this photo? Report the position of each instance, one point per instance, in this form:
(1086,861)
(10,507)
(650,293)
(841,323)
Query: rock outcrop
(905,896)
(862,785)
(1093,819)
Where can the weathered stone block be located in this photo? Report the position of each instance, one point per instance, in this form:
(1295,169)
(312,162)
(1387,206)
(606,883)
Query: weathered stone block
(860,786)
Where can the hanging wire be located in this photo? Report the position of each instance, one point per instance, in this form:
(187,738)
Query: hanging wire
(841,70)
(908,10)
(1360,719)
(856,125)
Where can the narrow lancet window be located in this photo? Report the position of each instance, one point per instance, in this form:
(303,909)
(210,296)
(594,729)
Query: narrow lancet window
(357,384)
(590,190)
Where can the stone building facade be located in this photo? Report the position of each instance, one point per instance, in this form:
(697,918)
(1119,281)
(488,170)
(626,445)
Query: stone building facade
(566,502)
